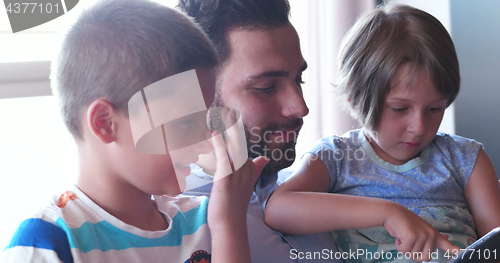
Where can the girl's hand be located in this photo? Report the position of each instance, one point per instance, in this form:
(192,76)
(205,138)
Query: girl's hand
(413,234)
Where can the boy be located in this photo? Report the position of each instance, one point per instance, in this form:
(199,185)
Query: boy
(115,51)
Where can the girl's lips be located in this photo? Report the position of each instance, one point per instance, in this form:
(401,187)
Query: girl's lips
(410,145)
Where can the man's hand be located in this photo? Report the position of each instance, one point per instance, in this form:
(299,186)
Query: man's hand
(231,193)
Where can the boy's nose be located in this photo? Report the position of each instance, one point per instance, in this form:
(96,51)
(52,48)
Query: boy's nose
(206,146)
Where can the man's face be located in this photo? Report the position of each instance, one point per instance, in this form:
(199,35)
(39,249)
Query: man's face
(262,79)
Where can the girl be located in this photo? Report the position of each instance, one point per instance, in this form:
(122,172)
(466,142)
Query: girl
(398,73)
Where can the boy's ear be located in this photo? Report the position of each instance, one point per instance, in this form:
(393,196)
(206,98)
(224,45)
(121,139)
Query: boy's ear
(101,120)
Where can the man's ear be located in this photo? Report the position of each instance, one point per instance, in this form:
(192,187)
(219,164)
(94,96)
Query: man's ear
(101,120)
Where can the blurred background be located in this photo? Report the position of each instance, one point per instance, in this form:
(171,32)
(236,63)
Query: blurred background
(38,157)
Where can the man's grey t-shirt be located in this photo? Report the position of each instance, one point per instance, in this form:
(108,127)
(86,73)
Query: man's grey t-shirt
(266,244)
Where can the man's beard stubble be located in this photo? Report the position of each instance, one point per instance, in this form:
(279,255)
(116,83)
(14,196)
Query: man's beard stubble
(282,154)
(258,148)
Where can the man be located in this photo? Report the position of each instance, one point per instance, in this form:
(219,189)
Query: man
(259,75)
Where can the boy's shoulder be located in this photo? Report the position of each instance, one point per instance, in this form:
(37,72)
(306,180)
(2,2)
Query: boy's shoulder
(43,235)
(53,211)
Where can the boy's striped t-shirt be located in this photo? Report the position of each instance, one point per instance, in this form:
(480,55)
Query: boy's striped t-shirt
(72,228)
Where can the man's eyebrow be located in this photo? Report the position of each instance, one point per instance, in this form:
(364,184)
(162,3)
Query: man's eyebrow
(276,73)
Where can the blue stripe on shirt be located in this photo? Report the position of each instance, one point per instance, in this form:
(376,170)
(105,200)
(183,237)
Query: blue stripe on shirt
(35,232)
(104,236)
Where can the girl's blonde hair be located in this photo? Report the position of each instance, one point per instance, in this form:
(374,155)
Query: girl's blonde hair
(377,45)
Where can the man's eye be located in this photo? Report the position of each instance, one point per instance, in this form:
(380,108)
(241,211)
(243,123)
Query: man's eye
(265,90)
(299,81)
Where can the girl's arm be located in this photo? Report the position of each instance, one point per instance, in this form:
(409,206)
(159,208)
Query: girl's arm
(301,205)
(483,194)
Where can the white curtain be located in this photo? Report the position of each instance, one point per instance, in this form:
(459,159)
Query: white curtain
(321,25)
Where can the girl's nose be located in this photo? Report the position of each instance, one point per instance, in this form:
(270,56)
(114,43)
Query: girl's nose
(417,124)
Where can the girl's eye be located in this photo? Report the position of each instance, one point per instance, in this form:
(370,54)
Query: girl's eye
(265,90)
(399,109)
(299,81)
(435,109)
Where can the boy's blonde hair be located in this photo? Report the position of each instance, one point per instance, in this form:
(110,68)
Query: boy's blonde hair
(117,48)
(377,45)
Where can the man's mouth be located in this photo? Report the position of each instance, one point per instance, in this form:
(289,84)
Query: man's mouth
(285,135)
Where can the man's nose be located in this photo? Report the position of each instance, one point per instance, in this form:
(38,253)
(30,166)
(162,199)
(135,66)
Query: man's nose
(292,103)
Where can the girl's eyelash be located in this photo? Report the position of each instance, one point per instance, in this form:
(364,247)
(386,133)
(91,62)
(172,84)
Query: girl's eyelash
(398,109)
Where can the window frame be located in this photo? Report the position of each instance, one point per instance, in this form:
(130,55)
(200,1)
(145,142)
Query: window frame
(24,79)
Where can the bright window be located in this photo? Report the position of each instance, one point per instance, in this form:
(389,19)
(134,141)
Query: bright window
(37,158)
(40,43)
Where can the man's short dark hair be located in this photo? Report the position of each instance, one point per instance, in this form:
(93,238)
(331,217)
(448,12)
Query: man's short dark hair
(217,17)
